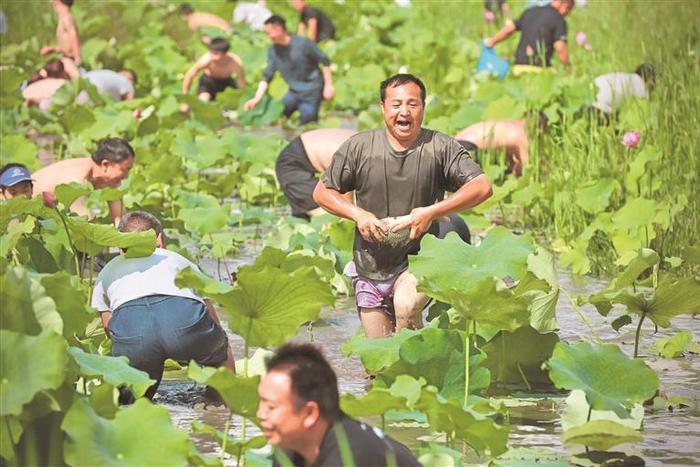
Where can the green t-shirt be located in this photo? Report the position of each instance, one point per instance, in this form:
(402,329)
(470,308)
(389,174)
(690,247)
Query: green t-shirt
(390,183)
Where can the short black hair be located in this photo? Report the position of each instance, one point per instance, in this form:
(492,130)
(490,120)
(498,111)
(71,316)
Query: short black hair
(277,20)
(140,221)
(132,73)
(399,80)
(312,377)
(113,150)
(648,73)
(186,9)
(67,2)
(219,44)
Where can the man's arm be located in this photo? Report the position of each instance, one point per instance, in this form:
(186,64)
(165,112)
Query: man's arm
(301,29)
(74,40)
(116,210)
(371,228)
(474,192)
(269,72)
(262,89)
(501,35)
(328,90)
(239,70)
(562,52)
(106,316)
(192,72)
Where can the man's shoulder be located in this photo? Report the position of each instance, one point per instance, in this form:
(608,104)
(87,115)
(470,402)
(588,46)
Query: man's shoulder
(365,137)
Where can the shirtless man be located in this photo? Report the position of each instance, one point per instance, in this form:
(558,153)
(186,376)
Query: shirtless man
(108,166)
(42,86)
(196,20)
(67,39)
(217,66)
(510,135)
(299,163)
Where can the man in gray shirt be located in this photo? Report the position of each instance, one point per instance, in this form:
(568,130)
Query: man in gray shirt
(400,170)
(298,60)
(615,88)
(118,85)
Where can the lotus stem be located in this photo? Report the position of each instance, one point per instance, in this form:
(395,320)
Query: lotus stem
(581,315)
(466,366)
(522,375)
(636,335)
(72,246)
(223,443)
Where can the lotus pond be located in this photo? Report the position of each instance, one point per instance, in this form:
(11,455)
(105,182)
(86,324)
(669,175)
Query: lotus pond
(567,333)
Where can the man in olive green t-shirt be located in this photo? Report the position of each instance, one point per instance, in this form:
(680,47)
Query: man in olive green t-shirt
(402,170)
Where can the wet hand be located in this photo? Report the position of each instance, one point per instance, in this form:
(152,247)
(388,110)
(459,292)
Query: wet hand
(328,92)
(371,228)
(489,42)
(47,49)
(250,105)
(419,222)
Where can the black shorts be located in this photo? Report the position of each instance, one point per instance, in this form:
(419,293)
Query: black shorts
(297,177)
(214,86)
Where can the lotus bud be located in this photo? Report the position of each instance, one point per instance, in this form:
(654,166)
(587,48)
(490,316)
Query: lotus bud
(581,38)
(489,16)
(631,139)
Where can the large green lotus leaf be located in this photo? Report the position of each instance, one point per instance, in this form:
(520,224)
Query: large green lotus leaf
(21,378)
(672,299)
(17,207)
(224,244)
(674,346)
(541,285)
(114,370)
(377,354)
(439,455)
(16,148)
(26,308)
(268,111)
(638,167)
(255,366)
(203,221)
(239,392)
(516,357)
(636,212)
(601,435)
(594,197)
(504,108)
(67,193)
(66,291)
(448,416)
(110,122)
(104,399)
(15,232)
(235,447)
(451,263)
(610,379)
(76,118)
(576,413)
(189,278)
(9,436)
(92,238)
(576,257)
(376,402)
(141,434)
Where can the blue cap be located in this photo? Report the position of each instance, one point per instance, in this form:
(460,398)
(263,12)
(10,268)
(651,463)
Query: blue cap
(14,175)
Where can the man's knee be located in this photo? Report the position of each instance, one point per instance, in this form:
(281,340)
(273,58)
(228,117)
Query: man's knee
(204,96)
(308,112)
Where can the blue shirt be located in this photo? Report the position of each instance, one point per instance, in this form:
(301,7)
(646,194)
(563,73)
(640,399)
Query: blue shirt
(298,63)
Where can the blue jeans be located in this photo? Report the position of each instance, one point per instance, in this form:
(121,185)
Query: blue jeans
(307,103)
(151,329)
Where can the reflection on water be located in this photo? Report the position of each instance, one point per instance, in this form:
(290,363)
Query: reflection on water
(669,438)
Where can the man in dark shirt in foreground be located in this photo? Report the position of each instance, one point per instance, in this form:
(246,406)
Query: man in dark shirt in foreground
(543,30)
(401,170)
(300,413)
(314,22)
(297,59)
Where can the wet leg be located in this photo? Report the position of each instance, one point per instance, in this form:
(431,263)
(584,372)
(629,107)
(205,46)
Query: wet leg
(408,302)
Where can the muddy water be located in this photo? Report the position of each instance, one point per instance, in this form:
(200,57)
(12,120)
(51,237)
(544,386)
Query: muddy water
(670,438)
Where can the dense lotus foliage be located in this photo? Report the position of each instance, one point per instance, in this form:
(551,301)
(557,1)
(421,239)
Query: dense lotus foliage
(620,200)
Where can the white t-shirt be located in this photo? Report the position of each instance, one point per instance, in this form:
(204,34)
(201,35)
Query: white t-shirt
(614,88)
(110,82)
(254,14)
(124,279)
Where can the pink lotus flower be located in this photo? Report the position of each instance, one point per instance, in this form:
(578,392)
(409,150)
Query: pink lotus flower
(581,38)
(489,16)
(631,139)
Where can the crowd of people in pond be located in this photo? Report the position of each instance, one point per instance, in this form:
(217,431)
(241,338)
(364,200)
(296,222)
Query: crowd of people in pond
(391,182)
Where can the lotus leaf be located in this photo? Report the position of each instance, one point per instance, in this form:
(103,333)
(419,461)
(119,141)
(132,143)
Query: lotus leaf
(17,148)
(594,197)
(576,413)
(114,370)
(516,357)
(17,207)
(377,354)
(76,118)
(141,434)
(9,436)
(234,446)
(20,377)
(610,379)
(255,365)
(203,221)
(104,400)
(15,232)
(268,111)
(239,392)
(92,238)
(376,402)
(66,291)
(68,193)
(674,346)
(601,434)
(437,454)
(26,307)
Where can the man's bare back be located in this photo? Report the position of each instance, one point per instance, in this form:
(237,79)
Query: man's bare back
(321,144)
(198,20)
(66,171)
(510,135)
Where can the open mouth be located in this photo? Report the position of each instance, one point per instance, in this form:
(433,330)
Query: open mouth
(403,125)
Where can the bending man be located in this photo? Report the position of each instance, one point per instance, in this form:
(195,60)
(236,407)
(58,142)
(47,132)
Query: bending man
(400,170)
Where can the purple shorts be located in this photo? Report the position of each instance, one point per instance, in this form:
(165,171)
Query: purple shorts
(370,293)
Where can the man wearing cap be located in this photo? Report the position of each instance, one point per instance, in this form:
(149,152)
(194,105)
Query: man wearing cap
(15,181)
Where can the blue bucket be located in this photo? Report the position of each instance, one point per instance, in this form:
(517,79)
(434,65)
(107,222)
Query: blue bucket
(492,63)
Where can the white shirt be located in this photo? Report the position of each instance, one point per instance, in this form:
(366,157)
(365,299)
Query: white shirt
(614,88)
(254,14)
(110,82)
(124,279)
